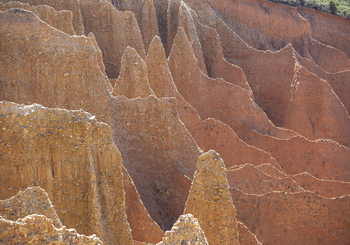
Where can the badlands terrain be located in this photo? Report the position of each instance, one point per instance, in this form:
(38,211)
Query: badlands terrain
(173,122)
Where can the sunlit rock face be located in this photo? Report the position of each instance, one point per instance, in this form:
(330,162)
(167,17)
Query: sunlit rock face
(106,108)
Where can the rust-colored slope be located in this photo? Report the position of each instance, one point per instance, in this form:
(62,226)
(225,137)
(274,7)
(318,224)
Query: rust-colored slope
(325,188)
(249,179)
(264,25)
(246,237)
(214,97)
(300,218)
(270,26)
(208,134)
(143,227)
(329,29)
(340,81)
(314,110)
(324,159)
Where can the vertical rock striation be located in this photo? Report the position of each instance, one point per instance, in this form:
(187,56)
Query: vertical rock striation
(71,156)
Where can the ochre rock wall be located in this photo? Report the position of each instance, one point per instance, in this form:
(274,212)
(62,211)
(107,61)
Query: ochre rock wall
(263,84)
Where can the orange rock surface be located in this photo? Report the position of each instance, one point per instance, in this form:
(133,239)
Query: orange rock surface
(300,218)
(33,200)
(210,201)
(86,115)
(72,157)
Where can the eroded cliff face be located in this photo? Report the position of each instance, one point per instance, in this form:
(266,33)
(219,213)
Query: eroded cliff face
(153,84)
(71,156)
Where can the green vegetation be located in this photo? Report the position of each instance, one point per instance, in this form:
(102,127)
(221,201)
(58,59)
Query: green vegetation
(338,7)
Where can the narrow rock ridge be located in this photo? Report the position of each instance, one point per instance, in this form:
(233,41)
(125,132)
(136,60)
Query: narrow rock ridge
(132,81)
(114,31)
(149,26)
(210,201)
(71,5)
(61,20)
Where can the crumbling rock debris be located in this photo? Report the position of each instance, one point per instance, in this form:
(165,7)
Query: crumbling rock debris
(38,229)
(34,200)
(186,230)
(210,201)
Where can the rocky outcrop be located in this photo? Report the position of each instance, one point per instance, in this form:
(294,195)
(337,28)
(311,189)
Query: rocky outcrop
(34,200)
(72,157)
(114,31)
(39,229)
(210,201)
(132,81)
(299,218)
(186,230)
(148,131)
(39,79)
(61,20)
(71,5)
